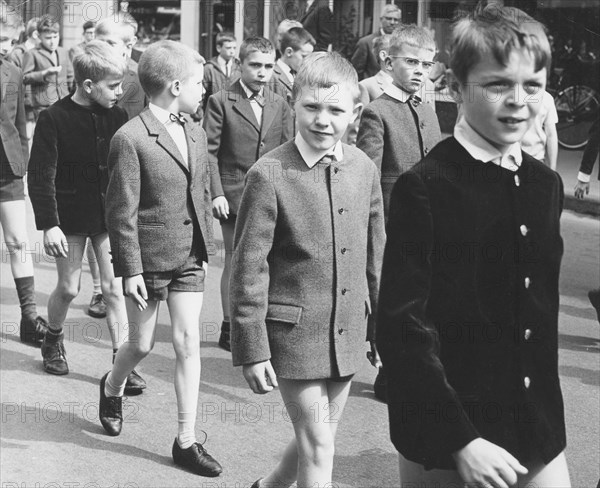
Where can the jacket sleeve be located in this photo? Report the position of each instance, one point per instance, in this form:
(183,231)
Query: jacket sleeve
(408,342)
(41,177)
(359,58)
(370,136)
(122,204)
(326,23)
(30,75)
(288,132)
(249,283)
(21,120)
(213,125)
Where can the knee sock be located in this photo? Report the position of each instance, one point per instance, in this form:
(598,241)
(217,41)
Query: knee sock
(53,336)
(26,292)
(97,287)
(186,435)
(112,390)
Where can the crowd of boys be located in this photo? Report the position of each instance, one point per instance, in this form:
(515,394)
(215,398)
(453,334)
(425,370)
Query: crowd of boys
(119,163)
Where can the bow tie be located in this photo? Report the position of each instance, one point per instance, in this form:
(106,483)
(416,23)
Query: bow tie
(414,100)
(293,72)
(259,98)
(177,118)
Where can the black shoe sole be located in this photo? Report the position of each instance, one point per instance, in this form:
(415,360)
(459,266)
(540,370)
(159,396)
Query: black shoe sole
(56,373)
(133,390)
(96,315)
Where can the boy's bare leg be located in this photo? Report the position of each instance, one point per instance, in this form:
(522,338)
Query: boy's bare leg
(555,474)
(97,308)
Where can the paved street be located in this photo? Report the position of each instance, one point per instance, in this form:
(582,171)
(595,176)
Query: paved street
(51,437)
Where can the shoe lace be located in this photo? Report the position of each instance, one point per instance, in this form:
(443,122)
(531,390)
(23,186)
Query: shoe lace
(58,351)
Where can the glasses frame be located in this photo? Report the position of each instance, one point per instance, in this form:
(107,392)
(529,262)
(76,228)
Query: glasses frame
(426,65)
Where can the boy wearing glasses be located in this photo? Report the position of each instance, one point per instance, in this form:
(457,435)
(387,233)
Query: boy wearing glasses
(397,130)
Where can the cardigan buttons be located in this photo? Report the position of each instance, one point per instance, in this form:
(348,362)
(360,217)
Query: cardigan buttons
(517,180)
(340,331)
(344,250)
(341,211)
(336,170)
(344,291)
(187,221)
(526,382)
(524,230)
(527,282)
(527,334)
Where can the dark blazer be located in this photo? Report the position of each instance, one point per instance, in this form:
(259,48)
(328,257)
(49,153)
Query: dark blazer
(67,175)
(396,135)
(154,202)
(133,100)
(468,309)
(320,22)
(12,119)
(47,90)
(236,140)
(363,59)
(281,85)
(215,80)
(305,273)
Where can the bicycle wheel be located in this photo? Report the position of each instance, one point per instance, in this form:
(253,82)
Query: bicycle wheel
(577,107)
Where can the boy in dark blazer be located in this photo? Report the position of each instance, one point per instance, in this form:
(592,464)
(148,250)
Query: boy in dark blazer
(14,155)
(47,68)
(468,315)
(242,123)
(158,213)
(320,22)
(67,181)
(308,246)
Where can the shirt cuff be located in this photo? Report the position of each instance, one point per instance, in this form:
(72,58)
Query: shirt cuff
(583,177)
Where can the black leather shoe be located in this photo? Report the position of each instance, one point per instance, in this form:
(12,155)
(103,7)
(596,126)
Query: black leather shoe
(196,459)
(135,384)
(33,330)
(225,338)
(110,411)
(380,386)
(594,296)
(55,356)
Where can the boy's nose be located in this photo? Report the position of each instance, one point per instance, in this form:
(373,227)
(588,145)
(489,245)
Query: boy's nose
(517,96)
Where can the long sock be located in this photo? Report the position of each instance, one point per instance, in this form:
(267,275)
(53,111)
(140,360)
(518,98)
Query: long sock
(186,435)
(26,292)
(54,335)
(112,390)
(94,268)
(97,287)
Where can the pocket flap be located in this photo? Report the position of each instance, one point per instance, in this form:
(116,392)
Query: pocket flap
(289,314)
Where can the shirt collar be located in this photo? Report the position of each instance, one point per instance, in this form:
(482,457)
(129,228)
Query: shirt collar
(312,156)
(397,93)
(160,113)
(249,92)
(221,62)
(482,150)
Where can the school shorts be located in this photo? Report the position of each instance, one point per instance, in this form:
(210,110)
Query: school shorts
(11,188)
(188,277)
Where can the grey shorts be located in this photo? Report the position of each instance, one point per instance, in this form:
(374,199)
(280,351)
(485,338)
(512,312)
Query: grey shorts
(189,277)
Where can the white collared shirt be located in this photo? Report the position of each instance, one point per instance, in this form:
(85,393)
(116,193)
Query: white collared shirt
(311,156)
(286,70)
(223,65)
(175,129)
(482,150)
(396,93)
(256,108)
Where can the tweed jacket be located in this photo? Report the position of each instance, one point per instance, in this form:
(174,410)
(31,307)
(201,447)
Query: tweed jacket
(16,57)
(215,80)
(373,87)
(320,22)
(468,311)
(363,59)
(155,202)
(305,273)
(45,90)
(12,119)
(133,100)
(68,173)
(236,140)
(281,85)
(396,135)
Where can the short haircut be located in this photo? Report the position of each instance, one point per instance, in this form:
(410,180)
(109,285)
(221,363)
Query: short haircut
(324,70)
(98,61)
(125,23)
(381,43)
(411,35)
(32,26)
(390,8)
(254,44)
(164,62)
(90,24)
(295,38)
(9,16)
(496,31)
(48,23)
(223,37)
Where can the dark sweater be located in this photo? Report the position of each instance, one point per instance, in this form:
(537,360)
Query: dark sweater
(468,311)
(68,174)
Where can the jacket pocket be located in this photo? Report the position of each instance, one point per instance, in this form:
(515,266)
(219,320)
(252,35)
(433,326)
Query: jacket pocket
(287,314)
(151,224)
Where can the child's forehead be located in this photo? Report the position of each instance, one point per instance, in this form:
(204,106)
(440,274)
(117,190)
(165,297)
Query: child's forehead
(228,44)
(519,63)
(260,57)
(414,51)
(336,92)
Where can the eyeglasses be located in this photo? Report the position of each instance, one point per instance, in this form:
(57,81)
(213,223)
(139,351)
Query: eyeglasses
(415,63)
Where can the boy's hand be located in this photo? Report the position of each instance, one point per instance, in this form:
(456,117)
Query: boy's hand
(481,463)
(52,70)
(220,208)
(260,376)
(55,243)
(581,189)
(373,356)
(135,288)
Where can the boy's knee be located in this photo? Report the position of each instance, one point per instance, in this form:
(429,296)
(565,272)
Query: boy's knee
(318,448)
(187,344)
(68,291)
(140,349)
(112,289)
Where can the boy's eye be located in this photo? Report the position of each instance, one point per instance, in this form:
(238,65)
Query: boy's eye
(532,88)
(412,62)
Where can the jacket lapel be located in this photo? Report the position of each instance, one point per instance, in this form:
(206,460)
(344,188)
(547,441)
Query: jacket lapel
(269,111)
(241,104)
(163,139)
(48,56)
(191,139)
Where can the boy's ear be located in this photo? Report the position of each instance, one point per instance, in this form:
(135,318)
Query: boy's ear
(388,62)
(358,107)
(288,51)
(87,86)
(454,86)
(175,88)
